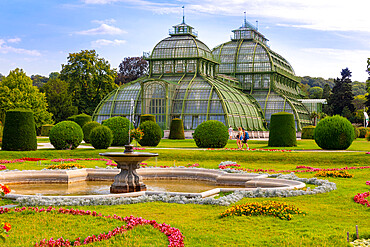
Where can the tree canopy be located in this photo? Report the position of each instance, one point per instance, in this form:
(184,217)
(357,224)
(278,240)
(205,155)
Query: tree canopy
(59,100)
(90,79)
(17,91)
(39,80)
(342,96)
(130,69)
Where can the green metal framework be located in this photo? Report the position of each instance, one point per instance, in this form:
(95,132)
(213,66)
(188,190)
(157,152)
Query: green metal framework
(182,83)
(263,73)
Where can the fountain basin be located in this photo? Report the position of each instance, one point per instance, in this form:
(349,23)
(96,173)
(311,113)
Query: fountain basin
(225,182)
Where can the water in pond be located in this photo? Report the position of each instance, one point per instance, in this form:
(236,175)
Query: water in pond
(99,187)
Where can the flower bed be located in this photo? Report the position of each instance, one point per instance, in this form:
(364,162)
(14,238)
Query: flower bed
(5,229)
(280,210)
(334,174)
(360,198)
(66,166)
(174,235)
(251,150)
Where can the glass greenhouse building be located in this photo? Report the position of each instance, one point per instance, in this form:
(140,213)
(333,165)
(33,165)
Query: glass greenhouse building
(263,73)
(241,83)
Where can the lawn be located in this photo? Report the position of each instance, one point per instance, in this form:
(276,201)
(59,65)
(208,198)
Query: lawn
(328,216)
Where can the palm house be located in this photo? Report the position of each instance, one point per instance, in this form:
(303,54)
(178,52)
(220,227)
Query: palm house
(183,83)
(262,73)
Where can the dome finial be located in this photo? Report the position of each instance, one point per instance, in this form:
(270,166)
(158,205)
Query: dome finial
(245,18)
(183,14)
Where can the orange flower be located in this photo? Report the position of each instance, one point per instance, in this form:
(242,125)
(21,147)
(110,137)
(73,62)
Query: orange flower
(7,227)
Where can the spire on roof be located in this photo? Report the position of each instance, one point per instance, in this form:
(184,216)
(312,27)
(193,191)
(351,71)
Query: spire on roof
(183,14)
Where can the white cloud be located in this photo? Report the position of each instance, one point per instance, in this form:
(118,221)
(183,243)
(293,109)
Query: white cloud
(105,42)
(5,49)
(106,21)
(103,29)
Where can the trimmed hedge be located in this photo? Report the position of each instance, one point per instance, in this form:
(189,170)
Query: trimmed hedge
(66,135)
(334,133)
(152,134)
(308,132)
(211,134)
(147,117)
(82,119)
(45,129)
(19,132)
(357,132)
(71,118)
(87,128)
(282,130)
(120,128)
(363,131)
(177,129)
(101,137)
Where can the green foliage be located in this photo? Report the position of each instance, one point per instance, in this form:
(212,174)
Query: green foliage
(147,117)
(211,134)
(101,137)
(282,130)
(367,136)
(315,92)
(177,129)
(308,132)
(152,134)
(19,131)
(71,118)
(357,132)
(334,133)
(59,100)
(45,129)
(358,88)
(39,80)
(90,79)
(66,135)
(16,91)
(120,129)
(87,128)
(363,131)
(82,119)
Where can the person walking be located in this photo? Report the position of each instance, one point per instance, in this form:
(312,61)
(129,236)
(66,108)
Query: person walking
(239,138)
(245,139)
(231,133)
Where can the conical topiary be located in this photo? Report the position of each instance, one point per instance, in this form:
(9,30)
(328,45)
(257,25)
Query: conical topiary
(177,129)
(282,130)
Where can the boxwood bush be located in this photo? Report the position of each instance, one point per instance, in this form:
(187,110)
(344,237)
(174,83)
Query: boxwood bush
(363,132)
(334,133)
(308,132)
(152,134)
(147,117)
(120,128)
(176,129)
(357,132)
(82,119)
(66,135)
(87,128)
(211,134)
(101,137)
(282,130)
(45,129)
(19,132)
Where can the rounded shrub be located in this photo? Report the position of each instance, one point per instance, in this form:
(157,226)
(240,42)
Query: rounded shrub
(211,134)
(71,118)
(363,132)
(308,132)
(66,135)
(282,130)
(19,132)
(120,128)
(177,129)
(152,134)
(147,117)
(87,128)
(82,119)
(101,137)
(45,129)
(334,133)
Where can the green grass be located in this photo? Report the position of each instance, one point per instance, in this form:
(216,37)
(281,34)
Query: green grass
(329,216)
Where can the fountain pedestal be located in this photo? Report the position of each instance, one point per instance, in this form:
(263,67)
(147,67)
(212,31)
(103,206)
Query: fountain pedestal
(128,161)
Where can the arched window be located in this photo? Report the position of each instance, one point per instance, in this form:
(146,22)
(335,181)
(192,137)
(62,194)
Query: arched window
(155,101)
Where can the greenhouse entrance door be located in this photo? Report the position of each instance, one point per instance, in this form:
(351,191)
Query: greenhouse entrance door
(155,102)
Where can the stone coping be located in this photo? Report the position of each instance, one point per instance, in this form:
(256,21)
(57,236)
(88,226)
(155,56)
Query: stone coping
(244,181)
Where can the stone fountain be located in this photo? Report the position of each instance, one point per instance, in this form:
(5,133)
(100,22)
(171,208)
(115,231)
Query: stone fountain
(128,161)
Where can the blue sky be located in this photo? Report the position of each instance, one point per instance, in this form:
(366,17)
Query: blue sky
(319,38)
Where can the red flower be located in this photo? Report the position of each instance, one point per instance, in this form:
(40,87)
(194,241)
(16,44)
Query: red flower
(7,227)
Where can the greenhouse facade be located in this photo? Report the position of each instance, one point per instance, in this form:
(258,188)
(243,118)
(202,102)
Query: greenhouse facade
(241,84)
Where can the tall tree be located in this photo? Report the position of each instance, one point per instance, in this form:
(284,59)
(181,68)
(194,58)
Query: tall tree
(39,80)
(326,91)
(342,95)
(59,100)
(16,91)
(130,69)
(315,92)
(90,78)
(54,75)
(368,84)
